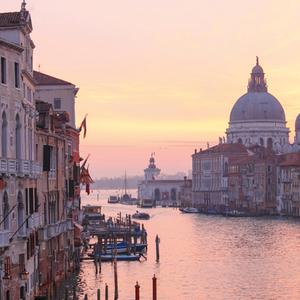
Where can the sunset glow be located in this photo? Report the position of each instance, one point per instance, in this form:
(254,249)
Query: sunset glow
(162,76)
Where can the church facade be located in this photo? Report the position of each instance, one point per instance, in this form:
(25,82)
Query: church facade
(256,170)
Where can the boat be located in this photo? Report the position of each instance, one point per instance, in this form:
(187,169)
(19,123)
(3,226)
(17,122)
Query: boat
(92,214)
(190,210)
(113,199)
(119,257)
(141,216)
(235,213)
(122,247)
(126,198)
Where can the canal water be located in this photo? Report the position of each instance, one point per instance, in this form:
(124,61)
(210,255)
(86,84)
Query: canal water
(204,257)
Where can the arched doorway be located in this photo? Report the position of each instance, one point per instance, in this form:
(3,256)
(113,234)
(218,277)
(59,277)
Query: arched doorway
(5,212)
(261,142)
(18,137)
(270,143)
(4,135)
(157,194)
(173,194)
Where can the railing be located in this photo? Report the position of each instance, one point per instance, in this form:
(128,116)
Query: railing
(3,165)
(4,238)
(12,166)
(53,230)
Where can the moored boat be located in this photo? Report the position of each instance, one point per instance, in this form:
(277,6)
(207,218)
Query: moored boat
(119,257)
(113,199)
(190,210)
(141,216)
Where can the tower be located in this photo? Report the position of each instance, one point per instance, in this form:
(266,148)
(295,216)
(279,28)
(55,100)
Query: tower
(151,172)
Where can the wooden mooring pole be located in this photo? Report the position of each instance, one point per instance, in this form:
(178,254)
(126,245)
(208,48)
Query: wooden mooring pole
(137,291)
(98,294)
(106,291)
(154,288)
(116,279)
(157,241)
(85,297)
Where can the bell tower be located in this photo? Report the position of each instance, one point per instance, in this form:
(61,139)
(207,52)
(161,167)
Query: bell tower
(152,171)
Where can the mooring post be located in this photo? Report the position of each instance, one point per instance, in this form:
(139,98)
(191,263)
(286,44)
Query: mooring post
(157,241)
(106,291)
(98,294)
(137,291)
(85,297)
(154,287)
(116,279)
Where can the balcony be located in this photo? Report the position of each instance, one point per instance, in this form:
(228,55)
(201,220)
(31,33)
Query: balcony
(3,165)
(53,230)
(12,166)
(4,238)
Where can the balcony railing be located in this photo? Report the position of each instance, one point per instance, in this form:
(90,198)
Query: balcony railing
(4,238)
(53,230)
(12,166)
(3,165)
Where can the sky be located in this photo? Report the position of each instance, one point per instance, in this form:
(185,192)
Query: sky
(162,75)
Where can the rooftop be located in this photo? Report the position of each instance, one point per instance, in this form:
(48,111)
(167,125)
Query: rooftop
(44,79)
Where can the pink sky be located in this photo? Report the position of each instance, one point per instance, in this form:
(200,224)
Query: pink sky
(162,76)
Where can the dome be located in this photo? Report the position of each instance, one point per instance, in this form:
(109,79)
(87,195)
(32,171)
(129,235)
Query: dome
(257,106)
(297,124)
(257,70)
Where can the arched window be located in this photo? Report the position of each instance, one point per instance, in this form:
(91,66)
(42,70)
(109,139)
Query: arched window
(20,214)
(5,212)
(240,141)
(157,194)
(4,135)
(261,141)
(173,195)
(270,143)
(18,137)
(7,296)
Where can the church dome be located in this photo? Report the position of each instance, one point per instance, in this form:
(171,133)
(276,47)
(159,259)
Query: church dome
(257,106)
(297,124)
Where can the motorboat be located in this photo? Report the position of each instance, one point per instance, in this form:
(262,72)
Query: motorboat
(113,199)
(190,210)
(141,216)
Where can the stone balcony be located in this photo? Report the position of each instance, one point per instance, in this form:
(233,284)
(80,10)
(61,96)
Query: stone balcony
(53,230)
(4,238)
(21,168)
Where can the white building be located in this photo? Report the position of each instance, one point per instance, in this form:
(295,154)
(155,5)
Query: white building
(158,191)
(257,117)
(60,93)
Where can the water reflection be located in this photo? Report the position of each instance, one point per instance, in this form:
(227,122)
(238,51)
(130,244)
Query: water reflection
(205,257)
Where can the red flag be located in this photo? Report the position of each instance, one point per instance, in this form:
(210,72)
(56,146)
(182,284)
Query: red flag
(83,125)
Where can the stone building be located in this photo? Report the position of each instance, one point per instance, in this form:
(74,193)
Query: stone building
(39,169)
(244,172)
(19,209)
(289,184)
(252,182)
(159,191)
(210,175)
(60,93)
(56,233)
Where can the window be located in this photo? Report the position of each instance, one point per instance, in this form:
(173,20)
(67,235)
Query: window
(4,135)
(5,212)
(18,137)
(57,103)
(17,75)
(3,70)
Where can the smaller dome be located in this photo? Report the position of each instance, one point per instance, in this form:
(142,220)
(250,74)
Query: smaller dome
(297,124)
(257,70)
